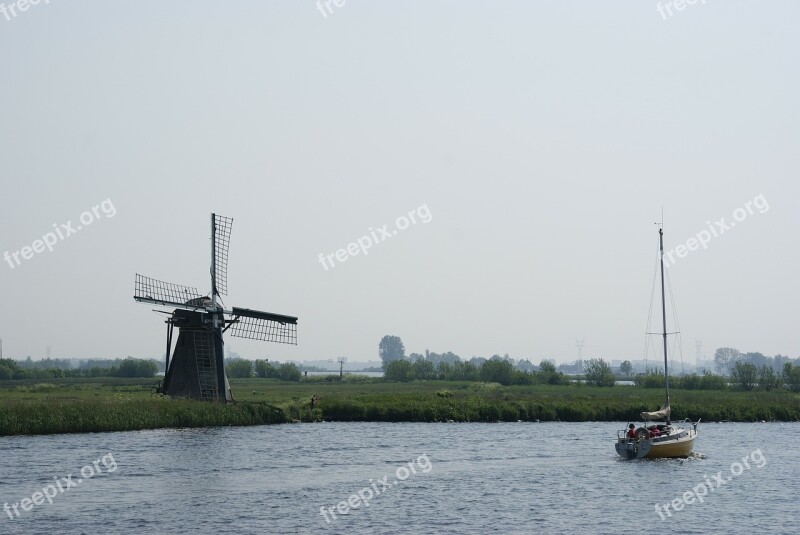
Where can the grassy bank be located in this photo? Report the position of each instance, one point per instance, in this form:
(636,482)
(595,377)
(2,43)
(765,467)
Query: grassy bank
(81,405)
(41,417)
(99,404)
(481,402)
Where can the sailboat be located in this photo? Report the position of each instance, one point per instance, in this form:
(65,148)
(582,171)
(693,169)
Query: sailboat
(658,437)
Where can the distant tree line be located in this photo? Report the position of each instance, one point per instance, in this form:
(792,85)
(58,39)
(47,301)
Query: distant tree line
(744,376)
(494,370)
(242,369)
(726,359)
(79,364)
(748,371)
(391,349)
(129,367)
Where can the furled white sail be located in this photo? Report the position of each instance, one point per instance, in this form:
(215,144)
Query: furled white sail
(662,414)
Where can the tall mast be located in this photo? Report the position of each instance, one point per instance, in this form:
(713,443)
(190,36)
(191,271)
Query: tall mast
(663,316)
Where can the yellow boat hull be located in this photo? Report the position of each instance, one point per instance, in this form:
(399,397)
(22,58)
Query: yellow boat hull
(678,443)
(671,449)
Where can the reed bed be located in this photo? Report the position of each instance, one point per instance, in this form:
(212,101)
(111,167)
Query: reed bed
(82,416)
(69,406)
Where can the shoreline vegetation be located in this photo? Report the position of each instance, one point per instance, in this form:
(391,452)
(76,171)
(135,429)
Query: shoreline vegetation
(86,405)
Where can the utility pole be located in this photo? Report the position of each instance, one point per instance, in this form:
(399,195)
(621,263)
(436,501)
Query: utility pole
(341,360)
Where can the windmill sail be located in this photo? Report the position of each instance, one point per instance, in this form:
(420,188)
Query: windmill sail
(149,290)
(266,326)
(221,230)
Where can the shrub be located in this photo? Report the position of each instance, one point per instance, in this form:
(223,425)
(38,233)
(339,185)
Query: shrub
(398,370)
(791,377)
(288,371)
(745,375)
(131,367)
(423,370)
(5,372)
(265,370)
(239,368)
(547,374)
(598,373)
(767,378)
(497,371)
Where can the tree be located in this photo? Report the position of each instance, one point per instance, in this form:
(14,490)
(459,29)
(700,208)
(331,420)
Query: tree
(5,372)
(265,369)
(547,374)
(398,370)
(8,369)
(745,375)
(131,367)
(465,371)
(497,371)
(626,368)
(444,371)
(791,376)
(414,357)
(598,373)
(391,349)
(767,378)
(756,359)
(288,371)
(527,366)
(239,368)
(725,358)
(423,370)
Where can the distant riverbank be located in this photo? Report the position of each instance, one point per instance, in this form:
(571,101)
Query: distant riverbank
(76,406)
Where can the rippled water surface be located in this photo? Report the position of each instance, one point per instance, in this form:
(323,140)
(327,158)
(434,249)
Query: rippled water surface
(481,478)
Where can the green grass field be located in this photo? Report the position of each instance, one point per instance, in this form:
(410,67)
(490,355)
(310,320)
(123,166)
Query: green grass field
(114,404)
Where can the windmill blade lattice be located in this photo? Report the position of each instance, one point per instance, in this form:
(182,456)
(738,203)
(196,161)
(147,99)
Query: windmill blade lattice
(257,325)
(166,293)
(222,238)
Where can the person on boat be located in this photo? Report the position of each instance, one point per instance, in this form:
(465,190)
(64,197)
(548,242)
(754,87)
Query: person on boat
(654,432)
(632,432)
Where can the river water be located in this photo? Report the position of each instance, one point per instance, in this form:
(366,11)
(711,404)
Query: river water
(411,477)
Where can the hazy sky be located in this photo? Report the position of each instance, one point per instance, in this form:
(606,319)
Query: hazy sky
(541,138)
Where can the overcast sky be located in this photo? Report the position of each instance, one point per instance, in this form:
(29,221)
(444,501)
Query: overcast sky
(540,138)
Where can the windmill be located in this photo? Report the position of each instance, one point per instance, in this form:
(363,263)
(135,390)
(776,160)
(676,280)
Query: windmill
(197,366)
